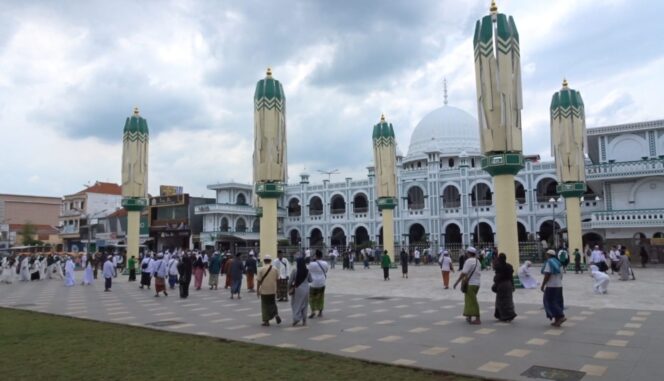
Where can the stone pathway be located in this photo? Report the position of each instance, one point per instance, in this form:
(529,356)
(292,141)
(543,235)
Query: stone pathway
(604,343)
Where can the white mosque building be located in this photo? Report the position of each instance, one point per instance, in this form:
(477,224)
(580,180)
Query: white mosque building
(446,199)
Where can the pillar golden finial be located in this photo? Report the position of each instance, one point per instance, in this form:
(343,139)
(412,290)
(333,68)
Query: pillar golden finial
(269,72)
(565,84)
(494,8)
(136,112)
(382,118)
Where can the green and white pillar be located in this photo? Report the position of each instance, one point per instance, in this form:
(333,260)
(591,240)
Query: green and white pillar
(568,145)
(135,151)
(385,156)
(499,101)
(270,163)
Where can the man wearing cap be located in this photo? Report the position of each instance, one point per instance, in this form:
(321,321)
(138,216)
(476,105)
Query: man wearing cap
(267,289)
(215,269)
(446,266)
(471,276)
(237,268)
(552,286)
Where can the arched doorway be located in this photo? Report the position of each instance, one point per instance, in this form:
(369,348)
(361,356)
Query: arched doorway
(484,232)
(591,239)
(415,198)
(360,203)
(315,206)
(546,189)
(453,234)
(294,208)
(338,238)
(362,236)
(481,195)
(416,234)
(546,232)
(316,238)
(521,232)
(224,224)
(519,192)
(337,204)
(294,237)
(241,199)
(451,197)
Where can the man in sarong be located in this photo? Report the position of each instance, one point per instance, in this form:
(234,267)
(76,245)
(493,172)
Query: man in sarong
(624,267)
(318,269)
(250,268)
(237,268)
(552,286)
(227,270)
(160,272)
(215,269)
(267,289)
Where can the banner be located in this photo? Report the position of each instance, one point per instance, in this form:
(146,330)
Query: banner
(170,190)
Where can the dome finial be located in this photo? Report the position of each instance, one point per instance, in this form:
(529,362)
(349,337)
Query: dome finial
(382,117)
(494,8)
(269,72)
(445,91)
(565,84)
(136,112)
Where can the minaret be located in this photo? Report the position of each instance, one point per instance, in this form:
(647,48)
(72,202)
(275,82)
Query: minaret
(270,162)
(135,143)
(568,138)
(498,80)
(385,154)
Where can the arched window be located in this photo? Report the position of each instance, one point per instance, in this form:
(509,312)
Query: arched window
(224,224)
(315,206)
(294,209)
(546,189)
(415,198)
(241,199)
(241,225)
(360,203)
(451,197)
(256,227)
(450,162)
(481,195)
(337,205)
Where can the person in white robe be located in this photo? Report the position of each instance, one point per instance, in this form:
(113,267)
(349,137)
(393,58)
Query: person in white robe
(109,272)
(69,273)
(57,267)
(6,275)
(88,276)
(601,280)
(84,261)
(527,280)
(24,274)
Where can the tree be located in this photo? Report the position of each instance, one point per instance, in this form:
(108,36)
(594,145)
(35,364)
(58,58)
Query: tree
(28,231)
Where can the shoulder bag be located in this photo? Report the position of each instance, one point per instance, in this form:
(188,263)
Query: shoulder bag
(464,283)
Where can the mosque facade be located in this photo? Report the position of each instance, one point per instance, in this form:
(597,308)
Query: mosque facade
(446,200)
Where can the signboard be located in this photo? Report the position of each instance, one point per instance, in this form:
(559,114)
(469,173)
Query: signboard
(161,201)
(657,241)
(170,190)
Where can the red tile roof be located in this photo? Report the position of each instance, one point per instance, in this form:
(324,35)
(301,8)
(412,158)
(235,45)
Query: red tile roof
(118,213)
(103,188)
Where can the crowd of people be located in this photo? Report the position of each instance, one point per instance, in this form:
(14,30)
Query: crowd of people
(303,282)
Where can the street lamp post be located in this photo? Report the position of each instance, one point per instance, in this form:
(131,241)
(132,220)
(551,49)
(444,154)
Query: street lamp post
(554,202)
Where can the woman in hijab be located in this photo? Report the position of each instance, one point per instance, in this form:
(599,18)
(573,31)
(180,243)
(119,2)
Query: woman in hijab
(299,290)
(199,271)
(184,273)
(503,286)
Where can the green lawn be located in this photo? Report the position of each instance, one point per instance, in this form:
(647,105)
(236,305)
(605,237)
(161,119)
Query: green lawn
(36,346)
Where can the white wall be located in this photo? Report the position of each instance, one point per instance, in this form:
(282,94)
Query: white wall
(627,147)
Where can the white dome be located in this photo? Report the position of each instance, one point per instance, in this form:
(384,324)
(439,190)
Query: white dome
(447,130)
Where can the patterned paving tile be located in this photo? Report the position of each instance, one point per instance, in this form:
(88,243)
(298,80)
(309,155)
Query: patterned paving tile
(256,336)
(605,355)
(390,339)
(493,367)
(434,351)
(537,341)
(322,337)
(617,343)
(419,330)
(463,340)
(518,353)
(593,370)
(356,348)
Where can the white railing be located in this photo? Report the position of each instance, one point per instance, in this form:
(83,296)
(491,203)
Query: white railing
(625,169)
(245,210)
(624,218)
(69,229)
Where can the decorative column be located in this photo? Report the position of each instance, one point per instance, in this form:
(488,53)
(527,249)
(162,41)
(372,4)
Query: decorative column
(270,162)
(135,144)
(386,181)
(568,137)
(498,80)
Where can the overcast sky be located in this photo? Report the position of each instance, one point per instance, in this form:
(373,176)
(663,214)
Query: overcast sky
(71,72)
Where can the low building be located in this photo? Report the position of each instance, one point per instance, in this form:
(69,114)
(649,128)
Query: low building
(230,223)
(173,223)
(16,211)
(80,212)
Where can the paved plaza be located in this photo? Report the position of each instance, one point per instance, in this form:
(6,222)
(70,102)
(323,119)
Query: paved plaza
(411,322)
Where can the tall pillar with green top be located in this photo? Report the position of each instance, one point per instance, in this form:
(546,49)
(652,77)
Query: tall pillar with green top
(499,101)
(385,156)
(135,152)
(568,142)
(269,158)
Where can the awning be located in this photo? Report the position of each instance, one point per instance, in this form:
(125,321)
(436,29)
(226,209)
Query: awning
(243,236)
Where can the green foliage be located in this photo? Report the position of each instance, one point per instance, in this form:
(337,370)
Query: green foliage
(27,234)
